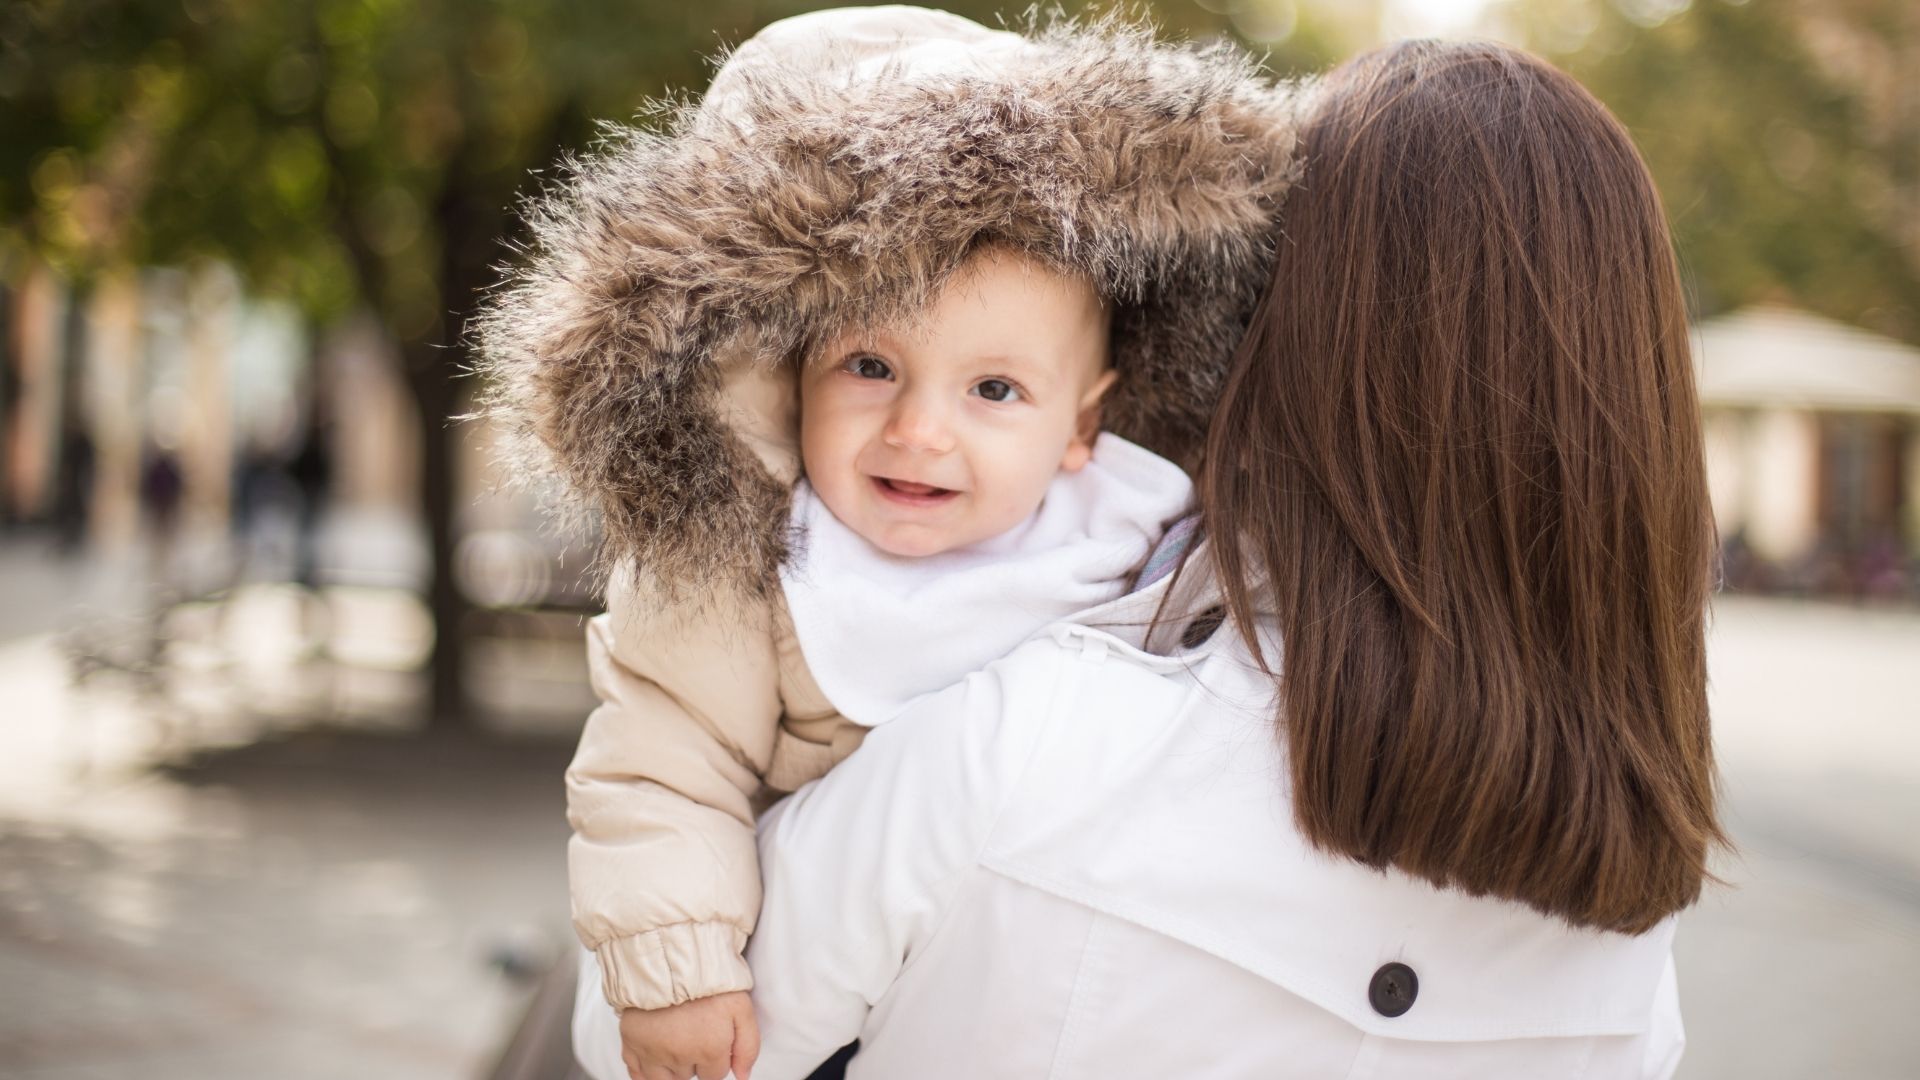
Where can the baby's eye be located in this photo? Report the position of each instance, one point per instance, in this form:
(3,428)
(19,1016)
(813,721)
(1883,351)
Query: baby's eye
(867,367)
(997,390)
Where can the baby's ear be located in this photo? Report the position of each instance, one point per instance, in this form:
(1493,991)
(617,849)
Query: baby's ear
(1086,426)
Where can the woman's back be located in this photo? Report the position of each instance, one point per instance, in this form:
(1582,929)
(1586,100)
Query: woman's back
(1078,865)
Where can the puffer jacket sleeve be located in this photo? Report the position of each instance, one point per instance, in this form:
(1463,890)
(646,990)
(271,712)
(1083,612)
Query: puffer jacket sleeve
(863,866)
(664,876)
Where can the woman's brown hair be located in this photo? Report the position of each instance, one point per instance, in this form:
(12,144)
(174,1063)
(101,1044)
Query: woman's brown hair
(1460,455)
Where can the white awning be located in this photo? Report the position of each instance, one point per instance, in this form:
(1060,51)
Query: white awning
(1778,357)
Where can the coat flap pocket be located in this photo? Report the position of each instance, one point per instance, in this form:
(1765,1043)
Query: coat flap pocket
(1151,802)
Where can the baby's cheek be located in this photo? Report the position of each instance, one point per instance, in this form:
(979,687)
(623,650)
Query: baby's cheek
(840,500)
(1013,505)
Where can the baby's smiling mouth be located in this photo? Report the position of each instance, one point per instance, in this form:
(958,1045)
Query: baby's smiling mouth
(910,493)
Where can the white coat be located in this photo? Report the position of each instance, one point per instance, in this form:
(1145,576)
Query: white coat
(1081,862)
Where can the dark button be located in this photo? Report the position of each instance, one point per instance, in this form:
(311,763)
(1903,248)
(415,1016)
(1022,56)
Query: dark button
(1393,989)
(1202,627)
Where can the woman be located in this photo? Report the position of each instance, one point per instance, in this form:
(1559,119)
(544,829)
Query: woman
(1460,534)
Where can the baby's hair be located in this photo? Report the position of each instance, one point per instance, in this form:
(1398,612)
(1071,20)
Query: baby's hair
(986,245)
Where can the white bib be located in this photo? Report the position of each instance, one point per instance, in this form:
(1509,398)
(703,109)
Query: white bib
(879,630)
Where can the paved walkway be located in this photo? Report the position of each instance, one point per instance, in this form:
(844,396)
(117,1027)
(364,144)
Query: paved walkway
(323,908)
(45,589)
(1794,970)
(320,905)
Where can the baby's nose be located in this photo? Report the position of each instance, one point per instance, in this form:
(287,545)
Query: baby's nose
(917,427)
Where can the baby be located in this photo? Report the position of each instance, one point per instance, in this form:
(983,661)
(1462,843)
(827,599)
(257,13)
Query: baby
(957,498)
(830,362)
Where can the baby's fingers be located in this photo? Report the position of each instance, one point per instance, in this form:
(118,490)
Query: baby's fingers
(746,1046)
(711,1069)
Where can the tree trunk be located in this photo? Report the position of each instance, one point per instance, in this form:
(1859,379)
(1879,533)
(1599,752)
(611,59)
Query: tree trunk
(430,374)
(470,219)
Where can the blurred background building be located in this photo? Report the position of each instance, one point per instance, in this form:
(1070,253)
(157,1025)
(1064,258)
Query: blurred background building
(264,606)
(1813,437)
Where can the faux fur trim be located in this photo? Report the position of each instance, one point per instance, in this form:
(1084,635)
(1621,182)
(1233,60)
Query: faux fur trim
(1154,170)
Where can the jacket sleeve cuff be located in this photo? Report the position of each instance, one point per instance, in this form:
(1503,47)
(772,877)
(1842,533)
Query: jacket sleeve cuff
(673,964)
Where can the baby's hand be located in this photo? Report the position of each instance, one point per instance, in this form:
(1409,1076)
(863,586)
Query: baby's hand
(699,1039)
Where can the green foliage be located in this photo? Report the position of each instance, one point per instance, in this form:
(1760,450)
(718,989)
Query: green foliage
(330,147)
(348,151)
(1783,136)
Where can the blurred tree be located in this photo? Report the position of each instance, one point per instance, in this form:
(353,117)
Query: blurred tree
(1784,134)
(345,153)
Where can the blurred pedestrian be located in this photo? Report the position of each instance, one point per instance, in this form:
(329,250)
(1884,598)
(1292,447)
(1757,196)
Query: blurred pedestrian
(162,491)
(73,486)
(311,470)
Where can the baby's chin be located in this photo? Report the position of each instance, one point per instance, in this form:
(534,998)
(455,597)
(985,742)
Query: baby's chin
(913,542)
(907,540)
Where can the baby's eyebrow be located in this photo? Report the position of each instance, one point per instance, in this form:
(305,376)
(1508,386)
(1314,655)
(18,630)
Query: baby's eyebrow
(1027,367)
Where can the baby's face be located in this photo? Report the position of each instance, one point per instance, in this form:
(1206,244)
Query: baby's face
(927,438)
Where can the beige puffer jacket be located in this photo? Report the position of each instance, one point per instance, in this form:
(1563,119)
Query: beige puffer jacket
(699,711)
(642,360)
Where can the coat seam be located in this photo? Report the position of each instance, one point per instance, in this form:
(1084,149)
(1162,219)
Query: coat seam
(1070,1033)
(951,885)
(1057,696)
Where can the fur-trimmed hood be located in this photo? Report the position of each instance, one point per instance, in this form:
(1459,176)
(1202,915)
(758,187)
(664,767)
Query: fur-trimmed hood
(841,167)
